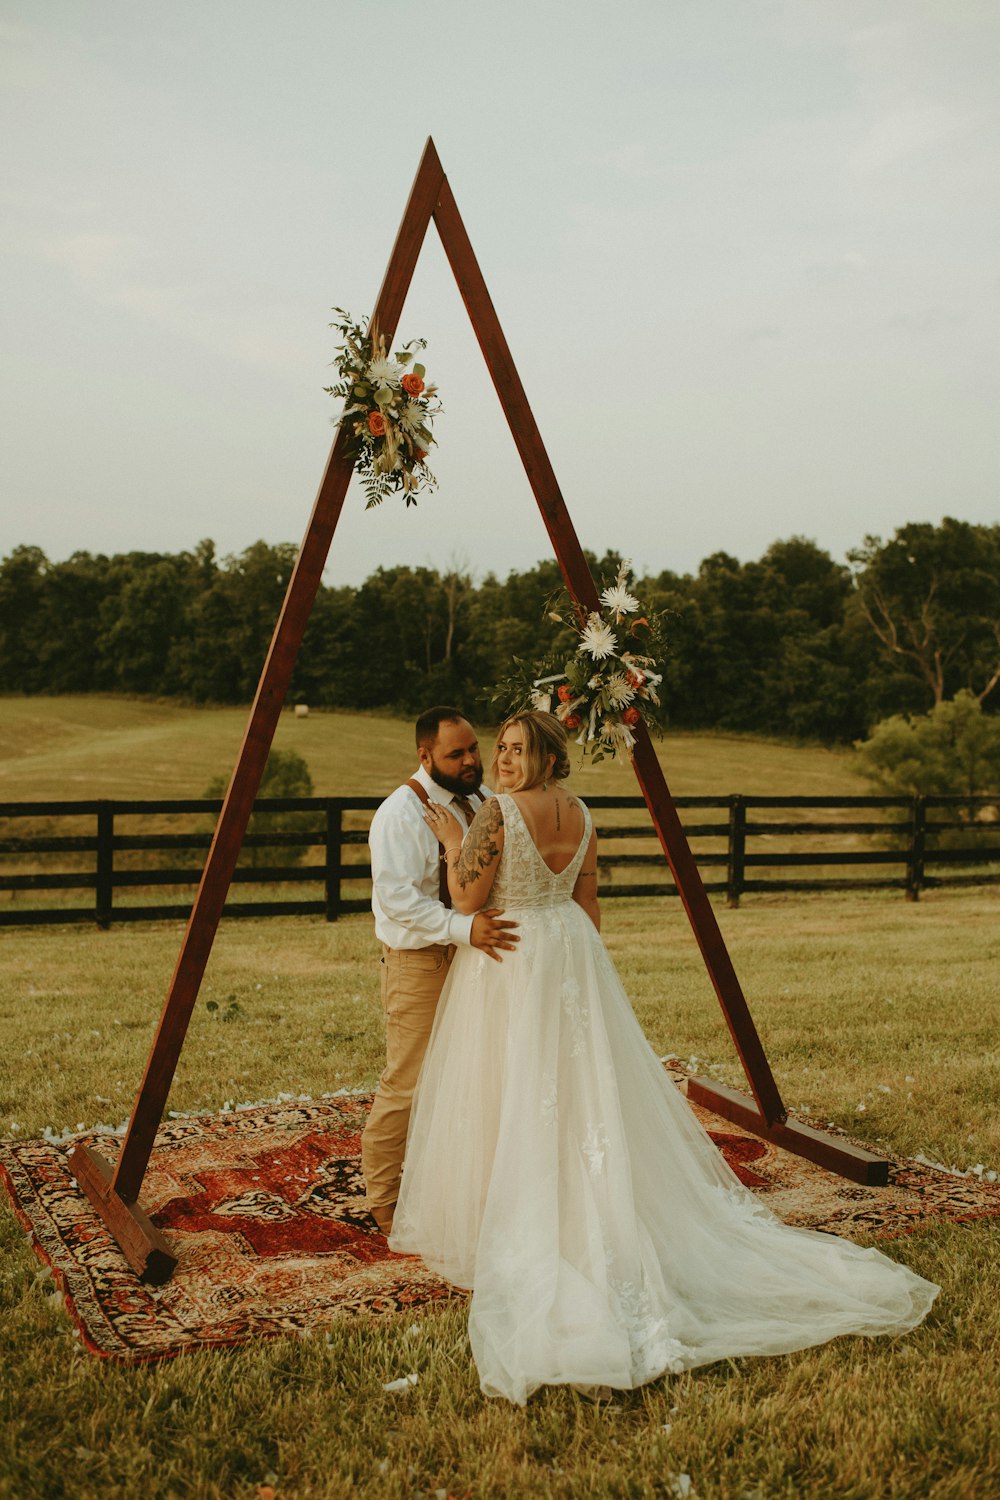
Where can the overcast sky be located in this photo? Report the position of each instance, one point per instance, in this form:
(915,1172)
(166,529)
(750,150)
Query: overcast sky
(746,254)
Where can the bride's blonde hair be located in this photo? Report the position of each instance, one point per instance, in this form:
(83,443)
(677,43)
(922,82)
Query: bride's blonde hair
(542,736)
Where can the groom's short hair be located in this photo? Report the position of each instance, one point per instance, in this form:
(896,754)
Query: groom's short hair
(430,722)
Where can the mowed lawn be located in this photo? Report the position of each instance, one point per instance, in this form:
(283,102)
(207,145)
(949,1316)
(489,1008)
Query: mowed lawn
(85,747)
(861,1001)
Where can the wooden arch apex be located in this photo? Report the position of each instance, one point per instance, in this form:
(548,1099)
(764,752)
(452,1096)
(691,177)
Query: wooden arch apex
(114,1191)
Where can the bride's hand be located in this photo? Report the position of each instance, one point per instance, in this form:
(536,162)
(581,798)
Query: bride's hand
(443,826)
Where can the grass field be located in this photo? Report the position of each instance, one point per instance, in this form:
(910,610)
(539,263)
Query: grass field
(860,1001)
(853,997)
(93,746)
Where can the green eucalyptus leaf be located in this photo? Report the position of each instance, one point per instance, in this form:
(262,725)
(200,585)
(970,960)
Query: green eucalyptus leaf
(418,369)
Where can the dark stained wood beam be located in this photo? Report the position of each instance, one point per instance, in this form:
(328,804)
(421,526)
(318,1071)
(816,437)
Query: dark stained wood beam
(837,1155)
(238,804)
(580,582)
(142,1244)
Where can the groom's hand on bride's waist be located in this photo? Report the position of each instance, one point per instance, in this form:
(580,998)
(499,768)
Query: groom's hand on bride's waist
(490,934)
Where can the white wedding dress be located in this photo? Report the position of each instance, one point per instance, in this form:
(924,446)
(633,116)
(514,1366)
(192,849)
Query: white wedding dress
(554,1168)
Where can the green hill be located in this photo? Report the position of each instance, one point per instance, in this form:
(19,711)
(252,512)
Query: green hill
(93,746)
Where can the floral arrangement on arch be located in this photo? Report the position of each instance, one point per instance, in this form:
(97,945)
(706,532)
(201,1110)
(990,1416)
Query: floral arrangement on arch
(388,412)
(609,682)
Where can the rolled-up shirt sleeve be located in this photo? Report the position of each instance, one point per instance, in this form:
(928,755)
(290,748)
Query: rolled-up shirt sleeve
(399,856)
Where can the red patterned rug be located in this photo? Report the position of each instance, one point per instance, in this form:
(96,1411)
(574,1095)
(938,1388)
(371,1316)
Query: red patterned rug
(265,1208)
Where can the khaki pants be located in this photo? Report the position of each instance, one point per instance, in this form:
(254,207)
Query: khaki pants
(412,980)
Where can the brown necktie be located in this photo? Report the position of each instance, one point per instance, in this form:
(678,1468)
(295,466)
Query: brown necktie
(466,806)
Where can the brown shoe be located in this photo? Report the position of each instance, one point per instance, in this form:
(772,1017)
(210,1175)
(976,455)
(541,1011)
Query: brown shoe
(383,1217)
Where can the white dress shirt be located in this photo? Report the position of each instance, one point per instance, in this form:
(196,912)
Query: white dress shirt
(406,895)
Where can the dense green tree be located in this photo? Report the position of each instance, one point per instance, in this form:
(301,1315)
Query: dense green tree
(931,595)
(789,643)
(953,750)
(68,647)
(23,620)
(139,619)
(761,645)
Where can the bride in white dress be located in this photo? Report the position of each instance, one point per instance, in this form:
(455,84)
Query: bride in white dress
(553,1167)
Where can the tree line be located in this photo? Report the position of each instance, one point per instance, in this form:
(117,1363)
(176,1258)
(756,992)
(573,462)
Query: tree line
(794,643)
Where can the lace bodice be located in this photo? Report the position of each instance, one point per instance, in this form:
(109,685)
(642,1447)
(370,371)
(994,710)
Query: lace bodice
(523,878)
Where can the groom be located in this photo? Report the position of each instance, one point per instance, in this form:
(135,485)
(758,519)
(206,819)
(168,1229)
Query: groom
(418,932)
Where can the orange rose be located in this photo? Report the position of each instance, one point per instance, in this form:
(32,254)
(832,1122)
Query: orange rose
(419,454)
(572,721)
(631,716)
(376,424)
(412,385)
(565,693)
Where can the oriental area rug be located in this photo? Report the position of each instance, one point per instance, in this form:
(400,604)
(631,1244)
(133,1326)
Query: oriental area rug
(264,1206)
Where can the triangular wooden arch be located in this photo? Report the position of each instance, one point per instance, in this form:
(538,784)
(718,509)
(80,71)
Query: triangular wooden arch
(114,1191)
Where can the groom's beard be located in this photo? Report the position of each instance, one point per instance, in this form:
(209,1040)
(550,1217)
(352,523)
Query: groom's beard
(460,785)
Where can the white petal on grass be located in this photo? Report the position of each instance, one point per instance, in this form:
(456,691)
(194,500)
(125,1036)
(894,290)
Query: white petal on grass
(404,1383)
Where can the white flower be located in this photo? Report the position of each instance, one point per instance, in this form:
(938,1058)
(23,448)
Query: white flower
(541,701)
(384,372)
(598,638)
(619,690)
(411,417)
(619,599)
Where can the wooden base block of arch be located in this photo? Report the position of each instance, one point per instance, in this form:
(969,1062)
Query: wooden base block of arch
(141,1243)
(840,1156)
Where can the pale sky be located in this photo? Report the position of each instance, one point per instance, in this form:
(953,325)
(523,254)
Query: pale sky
(746,254)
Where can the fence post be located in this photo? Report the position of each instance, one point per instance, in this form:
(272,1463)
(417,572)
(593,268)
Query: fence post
(737,850)
(334,832)
(104,876)
(918,842)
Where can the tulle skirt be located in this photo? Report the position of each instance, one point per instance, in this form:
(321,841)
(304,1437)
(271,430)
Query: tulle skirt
(553,1168)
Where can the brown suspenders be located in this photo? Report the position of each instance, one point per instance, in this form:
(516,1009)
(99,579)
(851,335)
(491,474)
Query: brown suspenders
(443,891)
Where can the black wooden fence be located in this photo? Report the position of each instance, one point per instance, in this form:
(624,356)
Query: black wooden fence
(907,844)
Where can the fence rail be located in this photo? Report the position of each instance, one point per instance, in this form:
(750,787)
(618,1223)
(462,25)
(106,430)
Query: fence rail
(913,843)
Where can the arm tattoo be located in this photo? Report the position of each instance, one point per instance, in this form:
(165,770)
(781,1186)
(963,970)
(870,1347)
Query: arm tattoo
(480,848)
